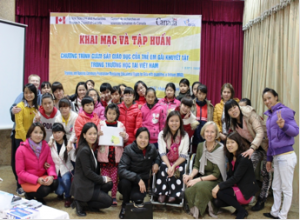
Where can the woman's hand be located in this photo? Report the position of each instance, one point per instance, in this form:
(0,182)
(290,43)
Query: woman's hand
(248,153)
(170,171)
(51,143)
(140,106)
(280,122)
(16,110)
(269,166)
(69,146)
(108,179)
(142,186)
(47,165)
(186,178)
(100,133)
(123,134)
(41,181)
(37,116)
(215,191)
(154,168)
(222,136)
(192,182)
(48,180)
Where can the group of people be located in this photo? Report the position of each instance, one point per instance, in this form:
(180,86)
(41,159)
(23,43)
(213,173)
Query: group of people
(55,147)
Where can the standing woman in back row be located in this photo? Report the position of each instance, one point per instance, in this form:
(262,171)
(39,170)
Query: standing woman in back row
(227,92)
(281,128)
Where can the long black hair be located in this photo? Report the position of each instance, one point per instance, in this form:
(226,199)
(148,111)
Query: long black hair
(76,93)
(33,89)
(59,127)
(167,130)
(135,88)
(82,142)
(241,146)
(98,97)
(228,105)
(197,82)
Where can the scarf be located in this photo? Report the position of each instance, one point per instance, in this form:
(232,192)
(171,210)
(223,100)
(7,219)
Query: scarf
(37,148)
(216,157)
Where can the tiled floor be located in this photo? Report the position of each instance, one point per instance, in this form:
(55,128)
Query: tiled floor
(160,212)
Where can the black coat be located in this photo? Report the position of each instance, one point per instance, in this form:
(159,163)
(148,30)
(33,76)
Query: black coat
(134,165)
(85,176)
(243,176)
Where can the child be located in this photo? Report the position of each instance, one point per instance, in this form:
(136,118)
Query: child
(130,114)
(245,102)
(105,95)
(46,115)
(194,89)
(169,103)
(184,88)
(67,118)
(189,119)
(62,157)
(99,109)
(86,116)
(139,92)
(153,116)
(58,93)
(203,110)
(90,84)
(45,87)
(116,95)
(80,92)
(23,121)
(122,87)
(109,156)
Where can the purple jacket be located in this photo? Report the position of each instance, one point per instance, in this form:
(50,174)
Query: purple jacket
(281,140)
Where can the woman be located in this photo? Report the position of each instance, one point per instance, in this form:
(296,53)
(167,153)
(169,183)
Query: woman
(227,92)
(282,129)
(245,121)
(62,154)
(36,181)
(89,188)
(240,186)
(173,145)
(58,93)
(80,92)
(139,93)
(210,163)
(134,168)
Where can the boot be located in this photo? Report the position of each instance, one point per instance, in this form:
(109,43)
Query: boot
(260,204)
(122,213)
(79,208)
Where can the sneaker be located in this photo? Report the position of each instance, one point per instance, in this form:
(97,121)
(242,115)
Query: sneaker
(20,192)
(115,203)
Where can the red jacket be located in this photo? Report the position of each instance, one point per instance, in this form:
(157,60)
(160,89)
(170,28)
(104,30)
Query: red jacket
(131,119)
(81,120)
(29,168)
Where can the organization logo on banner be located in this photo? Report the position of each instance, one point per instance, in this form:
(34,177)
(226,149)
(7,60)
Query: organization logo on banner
(188,23)
(60,20)
(166,22)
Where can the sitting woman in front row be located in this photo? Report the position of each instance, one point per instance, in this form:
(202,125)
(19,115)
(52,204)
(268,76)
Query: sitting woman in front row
(240,186)
(210,163)
(35,179)
(134,168)
(88,188)
(173,145)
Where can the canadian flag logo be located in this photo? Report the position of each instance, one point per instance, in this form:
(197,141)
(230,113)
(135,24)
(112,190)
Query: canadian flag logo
(60,20)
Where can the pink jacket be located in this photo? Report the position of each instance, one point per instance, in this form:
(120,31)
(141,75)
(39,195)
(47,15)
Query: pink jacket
(153,119)
(29,168)
(99,110)
(168,105)
(103,151)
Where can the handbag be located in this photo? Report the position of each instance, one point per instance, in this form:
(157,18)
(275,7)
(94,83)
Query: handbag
(140,211)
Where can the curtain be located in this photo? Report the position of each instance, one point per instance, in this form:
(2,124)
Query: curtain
(221,40)
(271,57)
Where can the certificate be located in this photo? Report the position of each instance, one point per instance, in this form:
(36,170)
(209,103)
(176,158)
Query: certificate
(111,136)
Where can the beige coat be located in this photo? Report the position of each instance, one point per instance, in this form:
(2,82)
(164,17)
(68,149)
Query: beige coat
(256,126)
(210,109)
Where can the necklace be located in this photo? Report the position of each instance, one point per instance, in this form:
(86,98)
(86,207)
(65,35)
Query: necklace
(210,150)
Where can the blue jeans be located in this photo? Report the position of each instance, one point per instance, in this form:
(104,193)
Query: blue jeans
(64,185)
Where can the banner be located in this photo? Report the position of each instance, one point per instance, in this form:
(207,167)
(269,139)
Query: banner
(124,48)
